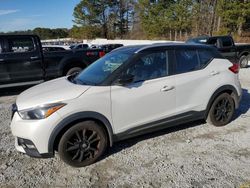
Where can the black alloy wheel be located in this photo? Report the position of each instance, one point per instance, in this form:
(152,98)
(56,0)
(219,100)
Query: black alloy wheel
(222,110)
(82,144)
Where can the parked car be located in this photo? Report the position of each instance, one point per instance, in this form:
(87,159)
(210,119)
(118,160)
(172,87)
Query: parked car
(79,46)
(54,48)
(23,62)
(227,47)
(132,90)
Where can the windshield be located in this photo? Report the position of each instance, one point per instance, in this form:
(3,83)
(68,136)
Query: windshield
(97,72)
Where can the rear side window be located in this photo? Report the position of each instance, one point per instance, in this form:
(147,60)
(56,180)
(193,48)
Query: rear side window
(191,60)
(18,45)
(186,61)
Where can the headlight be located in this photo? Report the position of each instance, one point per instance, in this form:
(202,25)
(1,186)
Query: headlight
(41,112)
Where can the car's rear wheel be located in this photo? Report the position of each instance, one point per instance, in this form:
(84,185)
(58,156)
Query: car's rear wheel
(222,110)
(73,70)
(82,144)
(244,61)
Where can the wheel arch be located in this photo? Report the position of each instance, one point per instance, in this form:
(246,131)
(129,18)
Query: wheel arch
(223,89)
(246,53)
(69,63)
(71,120)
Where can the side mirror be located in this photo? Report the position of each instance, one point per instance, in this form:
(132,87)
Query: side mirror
(125,79)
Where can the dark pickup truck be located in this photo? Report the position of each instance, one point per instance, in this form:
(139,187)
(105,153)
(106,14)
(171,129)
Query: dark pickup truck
(225,44)
(23,62)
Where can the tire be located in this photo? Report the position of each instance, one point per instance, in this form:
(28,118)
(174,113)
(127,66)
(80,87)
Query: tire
(244,61)
(82,144)
(73,70)
(221,111)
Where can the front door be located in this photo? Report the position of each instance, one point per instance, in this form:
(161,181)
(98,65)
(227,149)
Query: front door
(149,98)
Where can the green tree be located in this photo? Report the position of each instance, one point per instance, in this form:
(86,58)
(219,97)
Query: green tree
(235,15)
(86,32)
(93,13)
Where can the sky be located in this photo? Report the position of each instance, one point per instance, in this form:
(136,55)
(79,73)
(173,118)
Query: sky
(18,15)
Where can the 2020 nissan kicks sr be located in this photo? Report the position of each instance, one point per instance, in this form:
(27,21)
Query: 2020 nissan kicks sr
(130,91)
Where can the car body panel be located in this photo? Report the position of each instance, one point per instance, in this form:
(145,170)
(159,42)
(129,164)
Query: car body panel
(53,91)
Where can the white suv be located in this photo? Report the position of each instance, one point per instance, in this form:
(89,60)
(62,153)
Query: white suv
(130,91)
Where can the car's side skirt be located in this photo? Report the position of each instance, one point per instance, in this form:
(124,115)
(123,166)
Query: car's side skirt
(160,124)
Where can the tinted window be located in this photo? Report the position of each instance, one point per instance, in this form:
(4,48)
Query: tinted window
(226,41)
(205,57)
(186,61)
(212,41)
(150,66)
(21,44)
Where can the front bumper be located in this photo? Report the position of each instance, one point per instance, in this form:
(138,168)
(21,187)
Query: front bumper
(29,148)
(32,136)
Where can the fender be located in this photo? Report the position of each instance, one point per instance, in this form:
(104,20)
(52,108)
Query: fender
(235,96)
(78,116)
(244,52)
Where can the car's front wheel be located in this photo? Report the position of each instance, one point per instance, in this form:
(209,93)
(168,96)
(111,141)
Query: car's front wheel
(222,110)
(82,144)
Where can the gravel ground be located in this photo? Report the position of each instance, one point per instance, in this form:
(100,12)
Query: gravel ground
(191,155)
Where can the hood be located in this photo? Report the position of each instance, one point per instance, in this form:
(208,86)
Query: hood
(57,90)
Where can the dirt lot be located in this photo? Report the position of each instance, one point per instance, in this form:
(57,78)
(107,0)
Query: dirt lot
(192,155)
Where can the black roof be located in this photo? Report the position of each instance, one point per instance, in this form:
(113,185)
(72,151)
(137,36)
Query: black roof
(140,48)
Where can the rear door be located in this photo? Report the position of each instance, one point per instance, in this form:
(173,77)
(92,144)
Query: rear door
(193,79)
(23,59)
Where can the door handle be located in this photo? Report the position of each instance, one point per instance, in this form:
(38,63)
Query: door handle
(34,57)
(167,88)
(213,73)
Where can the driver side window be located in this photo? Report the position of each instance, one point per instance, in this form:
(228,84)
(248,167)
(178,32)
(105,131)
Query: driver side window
(150,66)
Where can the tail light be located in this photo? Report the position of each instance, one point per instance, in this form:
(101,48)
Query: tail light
(101,54)
(235,68)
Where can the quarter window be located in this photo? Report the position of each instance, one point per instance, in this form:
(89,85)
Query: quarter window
(21,45)
(150,66)
(205,56)
(186,61)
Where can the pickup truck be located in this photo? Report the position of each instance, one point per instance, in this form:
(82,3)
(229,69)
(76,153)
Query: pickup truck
(23,62)
(225,44)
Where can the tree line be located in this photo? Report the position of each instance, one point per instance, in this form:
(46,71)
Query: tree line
(154,19)
(162,19)
(44,33)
